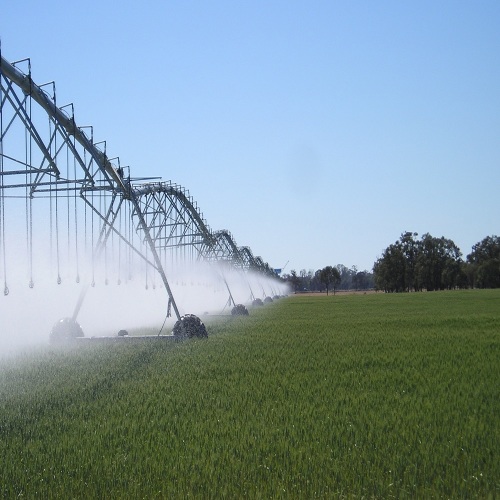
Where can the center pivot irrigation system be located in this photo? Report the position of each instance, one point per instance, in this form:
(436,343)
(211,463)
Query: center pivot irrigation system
(58,188)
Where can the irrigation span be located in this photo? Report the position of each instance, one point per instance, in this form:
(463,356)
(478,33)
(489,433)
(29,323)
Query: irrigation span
(81,237)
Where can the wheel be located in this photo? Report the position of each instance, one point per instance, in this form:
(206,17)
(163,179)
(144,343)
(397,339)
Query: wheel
(239,310)
(65,329)
(189,326)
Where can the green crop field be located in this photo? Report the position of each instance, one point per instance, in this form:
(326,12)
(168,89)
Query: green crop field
(377,395)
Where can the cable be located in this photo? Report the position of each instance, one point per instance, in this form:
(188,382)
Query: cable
(169,313)
(2,201)
(76,214)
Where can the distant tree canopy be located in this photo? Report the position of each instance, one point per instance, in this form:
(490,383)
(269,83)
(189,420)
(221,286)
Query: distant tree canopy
(337,277)
(411,264)
(484,263)
(329,276)
(436,264)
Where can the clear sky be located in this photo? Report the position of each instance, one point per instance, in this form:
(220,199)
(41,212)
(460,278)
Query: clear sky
(315,131)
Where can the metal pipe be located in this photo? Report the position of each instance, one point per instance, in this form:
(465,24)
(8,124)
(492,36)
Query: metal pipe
(30,88)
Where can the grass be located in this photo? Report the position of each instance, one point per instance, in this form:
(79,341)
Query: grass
(381,395)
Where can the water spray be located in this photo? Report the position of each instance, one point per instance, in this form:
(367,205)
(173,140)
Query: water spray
(164,213)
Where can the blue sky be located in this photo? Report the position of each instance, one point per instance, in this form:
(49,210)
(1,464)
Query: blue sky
(316,132)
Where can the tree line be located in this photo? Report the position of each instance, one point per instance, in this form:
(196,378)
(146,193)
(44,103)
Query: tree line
(411,264)
(330,278)
(431,263)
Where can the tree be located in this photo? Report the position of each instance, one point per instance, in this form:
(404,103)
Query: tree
(483,263)
(438,263)
(348,279)
(431,263)
(316,282)
(389,270)
(330,276)
(295,280)
(345,277)
(410,247)
(336,279)
(362,280)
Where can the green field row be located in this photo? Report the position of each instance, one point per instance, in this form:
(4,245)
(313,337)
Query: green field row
(374,395)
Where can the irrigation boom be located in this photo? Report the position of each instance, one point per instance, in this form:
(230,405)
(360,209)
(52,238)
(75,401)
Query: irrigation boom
(57,160)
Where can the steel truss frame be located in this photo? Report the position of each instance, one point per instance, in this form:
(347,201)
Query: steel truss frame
(163,213)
